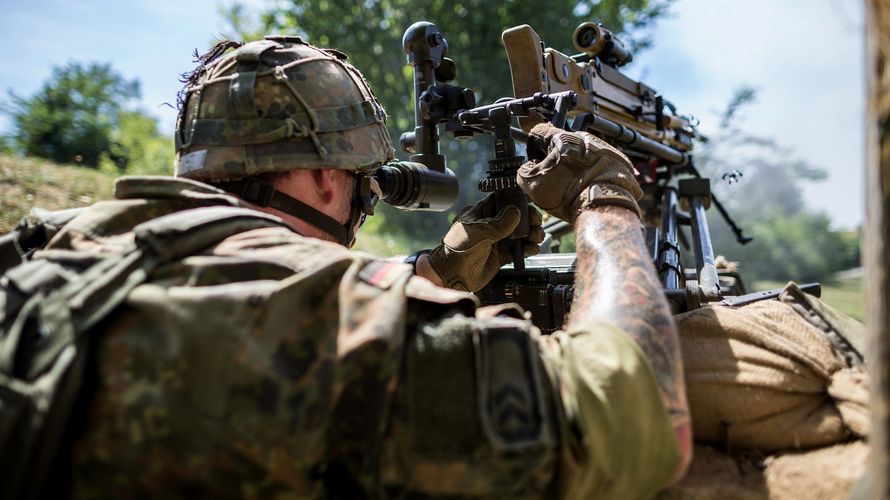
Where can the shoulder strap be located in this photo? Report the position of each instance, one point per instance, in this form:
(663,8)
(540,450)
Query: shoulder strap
(32,233)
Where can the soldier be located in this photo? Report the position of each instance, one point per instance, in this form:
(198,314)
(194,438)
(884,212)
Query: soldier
(254,355)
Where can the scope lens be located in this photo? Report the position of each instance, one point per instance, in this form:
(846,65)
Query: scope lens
(414,186)
(586,37)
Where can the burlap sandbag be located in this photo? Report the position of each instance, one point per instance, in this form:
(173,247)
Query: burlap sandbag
(774,375)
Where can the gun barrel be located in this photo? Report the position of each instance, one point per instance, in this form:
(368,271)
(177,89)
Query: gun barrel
(632,139)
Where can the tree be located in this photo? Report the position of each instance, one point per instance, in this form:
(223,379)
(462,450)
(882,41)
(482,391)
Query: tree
(84,114)
(371,32)
(138,140)
(773,175)
(877,256)
(790,242)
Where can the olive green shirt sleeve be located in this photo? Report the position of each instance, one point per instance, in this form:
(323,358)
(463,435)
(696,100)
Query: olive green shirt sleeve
(617,438)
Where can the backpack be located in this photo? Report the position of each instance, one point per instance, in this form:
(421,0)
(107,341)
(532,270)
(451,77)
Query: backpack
(50,300)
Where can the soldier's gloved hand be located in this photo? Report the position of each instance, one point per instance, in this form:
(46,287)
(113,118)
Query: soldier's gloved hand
(474,248)
(569,171)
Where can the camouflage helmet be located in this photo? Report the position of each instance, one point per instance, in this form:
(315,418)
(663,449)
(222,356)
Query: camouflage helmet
(275,105)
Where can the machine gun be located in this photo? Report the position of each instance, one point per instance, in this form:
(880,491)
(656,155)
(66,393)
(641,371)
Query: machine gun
(584,92)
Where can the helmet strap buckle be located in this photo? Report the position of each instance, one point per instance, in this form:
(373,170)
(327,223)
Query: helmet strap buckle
(257,192)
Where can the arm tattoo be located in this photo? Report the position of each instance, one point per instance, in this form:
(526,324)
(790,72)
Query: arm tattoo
(615,281)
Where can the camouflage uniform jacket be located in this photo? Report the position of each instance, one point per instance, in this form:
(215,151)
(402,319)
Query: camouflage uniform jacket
(275,365)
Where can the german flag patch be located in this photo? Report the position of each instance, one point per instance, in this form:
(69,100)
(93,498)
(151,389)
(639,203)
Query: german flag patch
(383,274)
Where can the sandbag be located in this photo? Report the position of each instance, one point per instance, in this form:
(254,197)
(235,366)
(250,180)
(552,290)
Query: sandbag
(774,375)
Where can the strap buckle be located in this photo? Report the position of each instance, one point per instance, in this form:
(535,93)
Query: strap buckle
(258,192)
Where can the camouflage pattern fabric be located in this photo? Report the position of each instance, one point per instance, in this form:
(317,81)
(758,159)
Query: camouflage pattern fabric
(275,105)
(273,365)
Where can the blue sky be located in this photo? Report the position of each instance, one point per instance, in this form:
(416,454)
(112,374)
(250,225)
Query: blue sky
(804,57)
(151,41)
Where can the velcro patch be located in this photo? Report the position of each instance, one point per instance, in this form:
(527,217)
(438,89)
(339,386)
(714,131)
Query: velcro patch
(191,162)
(513,410)
(383,274)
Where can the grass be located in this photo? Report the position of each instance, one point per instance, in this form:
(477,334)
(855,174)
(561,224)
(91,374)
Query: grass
(846,294)
(29,182)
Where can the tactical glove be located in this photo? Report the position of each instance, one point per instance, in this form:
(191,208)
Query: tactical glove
(474,248)
(570,171)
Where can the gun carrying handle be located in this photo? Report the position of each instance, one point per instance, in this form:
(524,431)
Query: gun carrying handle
(526,57)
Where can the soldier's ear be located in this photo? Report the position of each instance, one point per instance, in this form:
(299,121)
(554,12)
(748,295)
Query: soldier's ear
(330,184)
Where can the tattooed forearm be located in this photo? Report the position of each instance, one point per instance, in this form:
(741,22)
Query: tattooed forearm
(615,281)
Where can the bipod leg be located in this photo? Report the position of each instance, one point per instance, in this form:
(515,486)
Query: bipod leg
(696,193)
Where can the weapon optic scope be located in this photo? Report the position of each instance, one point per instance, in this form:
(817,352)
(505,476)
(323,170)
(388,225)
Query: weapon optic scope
(596,41)
(414,186)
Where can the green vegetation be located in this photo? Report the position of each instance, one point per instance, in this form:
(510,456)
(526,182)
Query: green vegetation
(84,114)
(30,182)
(799,246)
(137,138)
(376,239)
(846,294)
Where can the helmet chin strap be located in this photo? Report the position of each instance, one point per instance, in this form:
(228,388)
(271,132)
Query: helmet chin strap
(264,194)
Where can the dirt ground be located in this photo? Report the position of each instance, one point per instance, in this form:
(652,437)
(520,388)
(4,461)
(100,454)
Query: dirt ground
(825,473)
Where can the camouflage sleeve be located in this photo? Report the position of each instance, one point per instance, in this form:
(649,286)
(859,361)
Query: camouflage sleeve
(472,416)
(617,440)
(490,408)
